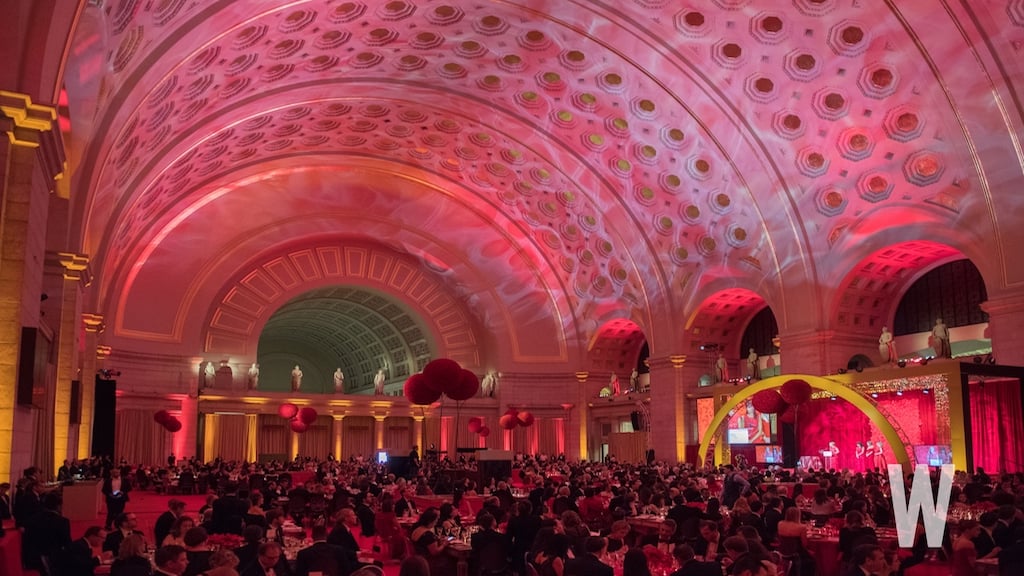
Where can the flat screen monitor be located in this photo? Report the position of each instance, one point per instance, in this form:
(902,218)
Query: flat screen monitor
(748,426)
(382,457)
(771,454)
(936,455)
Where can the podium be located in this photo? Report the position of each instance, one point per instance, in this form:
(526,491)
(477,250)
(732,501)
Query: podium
(83,500)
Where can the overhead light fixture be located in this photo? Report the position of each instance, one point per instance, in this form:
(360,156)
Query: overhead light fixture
(899,392)
(902,363)
(874,394)
(927,391)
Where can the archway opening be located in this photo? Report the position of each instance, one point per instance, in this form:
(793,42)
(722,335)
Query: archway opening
(352,329)
(620,350)
(724,328)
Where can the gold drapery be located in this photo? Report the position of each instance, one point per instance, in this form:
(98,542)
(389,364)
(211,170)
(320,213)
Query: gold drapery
(140,440)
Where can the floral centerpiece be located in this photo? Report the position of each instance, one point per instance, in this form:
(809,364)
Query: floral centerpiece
(225,541)
(658,560)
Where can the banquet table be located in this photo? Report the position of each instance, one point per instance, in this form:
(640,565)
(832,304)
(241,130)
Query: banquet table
(646,523)
(476,503)
(301,477)
(824,545)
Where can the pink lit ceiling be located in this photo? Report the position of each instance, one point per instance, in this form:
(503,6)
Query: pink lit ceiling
(545,159)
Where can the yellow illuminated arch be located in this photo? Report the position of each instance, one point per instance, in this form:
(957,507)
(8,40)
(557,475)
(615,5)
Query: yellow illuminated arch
(818,383)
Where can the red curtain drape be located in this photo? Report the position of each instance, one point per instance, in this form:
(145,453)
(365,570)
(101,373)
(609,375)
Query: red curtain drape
(398,435)
(316,440)
(997,425)
(357,437)
(273,439)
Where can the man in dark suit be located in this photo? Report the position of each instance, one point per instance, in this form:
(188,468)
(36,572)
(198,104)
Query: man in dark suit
(170,561)
(687,519)
(341,536)
(229,511)
(5,502)
(984,543)
(772,516)
(78,559)
(124,524)
(247,552)
(115,490)
(164,522)
(589,563)
(27,502)
(869,560)
(1006,526)
(665,540)
(367,519)
(270,561)
(490,549)
(690,566)
(326,558)
(47,533)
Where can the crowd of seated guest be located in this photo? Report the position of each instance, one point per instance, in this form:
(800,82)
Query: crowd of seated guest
(549,529)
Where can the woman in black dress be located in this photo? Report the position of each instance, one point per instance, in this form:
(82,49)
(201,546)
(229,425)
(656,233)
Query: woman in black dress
(426,543)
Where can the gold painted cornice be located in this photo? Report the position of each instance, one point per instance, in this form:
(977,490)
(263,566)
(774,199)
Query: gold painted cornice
(103,352)
(581,377)
(35,126)
(76,266)
(93,322)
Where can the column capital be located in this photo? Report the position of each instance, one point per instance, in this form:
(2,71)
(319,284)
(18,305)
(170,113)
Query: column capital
(76,266)
(581,377)
(103,352)
(418,418)
(33,125)
(93,322)
(995,306)
(338,417)
(672,360)
(380,417)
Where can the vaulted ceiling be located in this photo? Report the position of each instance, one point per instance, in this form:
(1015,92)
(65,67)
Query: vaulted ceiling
(576,160)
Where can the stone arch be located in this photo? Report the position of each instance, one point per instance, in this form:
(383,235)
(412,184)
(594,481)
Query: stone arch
(616,348)
(355,329)
(841,391)
(870,292)
(721,319)
(234,323)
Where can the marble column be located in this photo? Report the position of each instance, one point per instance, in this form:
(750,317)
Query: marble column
(74,275)
(31,160)
(378,432)
(668,415)
(1005,322)
(93,326)
(338,425)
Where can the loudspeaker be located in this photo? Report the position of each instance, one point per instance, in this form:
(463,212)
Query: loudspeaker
(650,456)
(104,417)
(789,448)
(634,418)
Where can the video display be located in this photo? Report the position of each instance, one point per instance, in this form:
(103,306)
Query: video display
(771,454)
(933,455)
(748,426)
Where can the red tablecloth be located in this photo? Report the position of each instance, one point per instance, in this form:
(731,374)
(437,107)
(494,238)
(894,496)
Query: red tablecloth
(300,478)
(424,502)
(10,552)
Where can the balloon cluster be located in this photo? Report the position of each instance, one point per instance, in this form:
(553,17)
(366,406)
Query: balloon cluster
(169,422)
(513,418)
(441,376)
(783,401)
(476,426)
(298,419)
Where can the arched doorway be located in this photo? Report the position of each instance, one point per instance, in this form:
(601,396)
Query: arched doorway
(841,391)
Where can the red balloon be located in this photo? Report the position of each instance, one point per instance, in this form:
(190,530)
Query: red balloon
(442,374)
(796,391)
(161,416)
(485,431)
(173,425)
(307,415)
(287,410)
(298,426)
(417,391)
(508,422)
(768,402)
(465,387)
(525,419)
(475,424)
(789,416)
